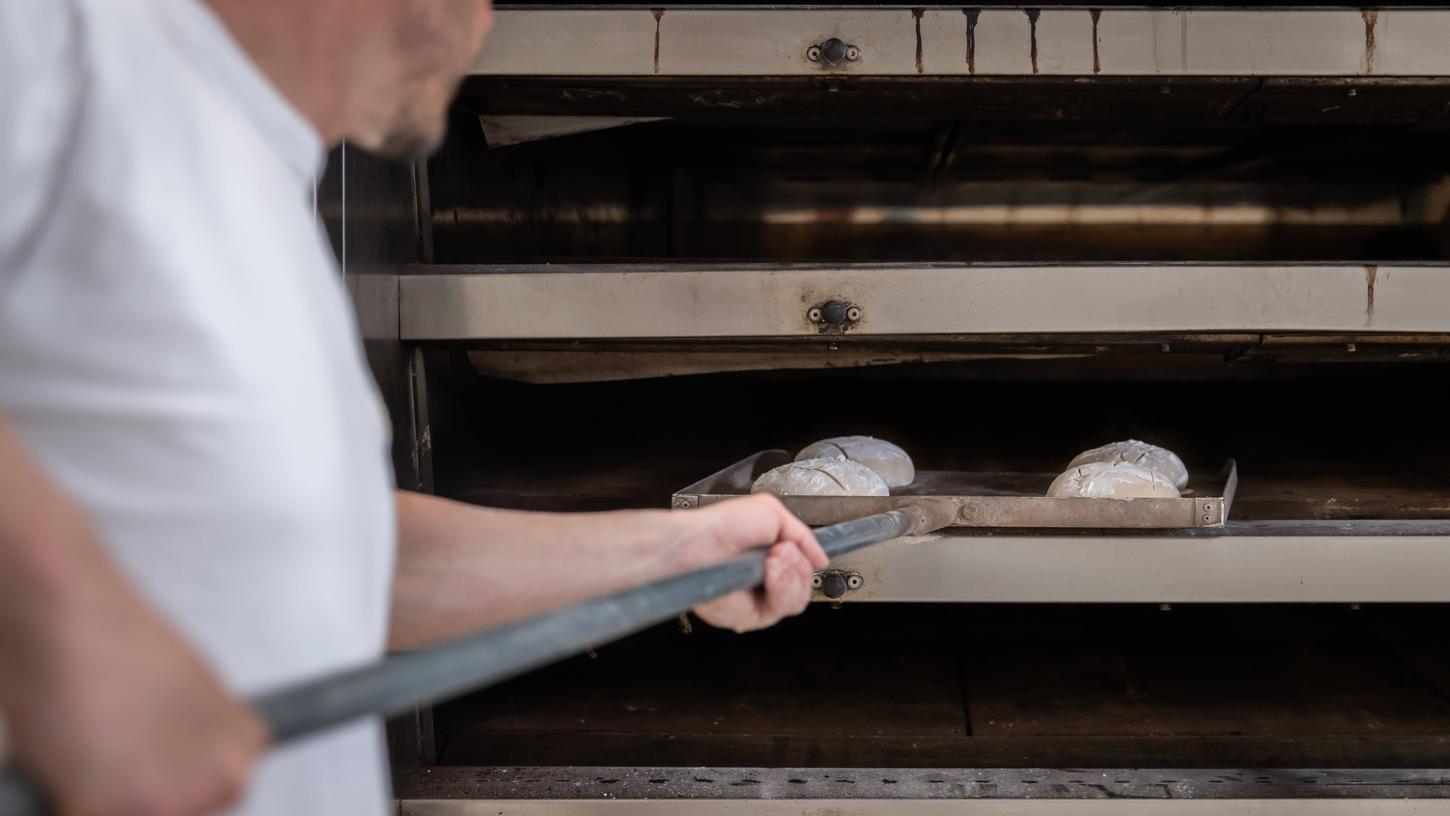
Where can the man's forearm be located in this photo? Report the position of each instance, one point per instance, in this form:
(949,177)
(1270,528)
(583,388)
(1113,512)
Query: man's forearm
(47,557)
(83,659)
(462,567)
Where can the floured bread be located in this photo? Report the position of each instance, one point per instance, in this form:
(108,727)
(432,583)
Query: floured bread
(1162,461)
(1111,480)
(889,461)
(821,477)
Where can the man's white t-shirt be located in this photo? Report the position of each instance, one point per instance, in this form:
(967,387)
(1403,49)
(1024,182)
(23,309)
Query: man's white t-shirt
(177,350)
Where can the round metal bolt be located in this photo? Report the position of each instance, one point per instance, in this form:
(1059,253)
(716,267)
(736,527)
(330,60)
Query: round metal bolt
(833,585)
(1350,347)
(853,53)
(1165,348)
(834,50)
(834,312)
(853,314)
(816,581)
(814,315)
(1165,607)
(1354,92)
(853,581)
(814,53)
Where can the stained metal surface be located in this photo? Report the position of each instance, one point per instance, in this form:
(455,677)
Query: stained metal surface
(1096,358)
(753,300)
(775,41)
(1240,565)
(874,807)
(906,783)
(982,500)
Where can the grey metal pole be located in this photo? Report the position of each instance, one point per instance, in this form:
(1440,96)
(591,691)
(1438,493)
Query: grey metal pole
(410,679)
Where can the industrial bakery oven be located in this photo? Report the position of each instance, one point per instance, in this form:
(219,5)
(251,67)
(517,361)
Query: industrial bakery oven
(662,241)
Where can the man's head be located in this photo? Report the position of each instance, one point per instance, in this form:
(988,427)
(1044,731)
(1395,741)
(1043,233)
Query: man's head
(424,50)
(378,73)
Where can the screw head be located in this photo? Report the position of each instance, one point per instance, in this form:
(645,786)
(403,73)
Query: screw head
(853,53)
(853,581)
(833,585)
(834,50)
(853,314)
(814,53)
(814,315)
(816,581)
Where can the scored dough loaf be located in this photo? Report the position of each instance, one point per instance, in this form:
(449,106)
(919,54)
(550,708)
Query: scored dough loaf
(889,461)
(821,477)
(1160,460)
(1111,480)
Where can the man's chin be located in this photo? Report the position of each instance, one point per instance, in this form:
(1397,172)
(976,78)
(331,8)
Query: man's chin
(408,139)
(408,144)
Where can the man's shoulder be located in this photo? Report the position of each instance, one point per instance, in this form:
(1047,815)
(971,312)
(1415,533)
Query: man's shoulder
(34,36)
(41,83)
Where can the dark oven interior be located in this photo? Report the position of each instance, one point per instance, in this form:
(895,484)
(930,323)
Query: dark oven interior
(1322,428)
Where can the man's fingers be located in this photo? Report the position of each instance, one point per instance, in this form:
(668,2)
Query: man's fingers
(787,581)
(793,529)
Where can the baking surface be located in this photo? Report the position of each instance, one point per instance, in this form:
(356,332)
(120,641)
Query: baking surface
(990,686)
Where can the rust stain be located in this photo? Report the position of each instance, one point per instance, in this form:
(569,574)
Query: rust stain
(1182,41)
(1032,15)
(1097,63)
(658,14)
(1371,272)
(1370,18)
(916,13)
(972,15)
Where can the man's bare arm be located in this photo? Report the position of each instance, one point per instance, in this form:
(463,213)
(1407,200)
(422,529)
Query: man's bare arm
(462,568)
(104,703)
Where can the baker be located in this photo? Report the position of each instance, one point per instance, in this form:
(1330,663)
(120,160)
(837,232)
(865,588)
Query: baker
(195,496)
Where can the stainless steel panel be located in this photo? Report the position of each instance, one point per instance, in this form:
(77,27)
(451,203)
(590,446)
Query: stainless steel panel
(1236,565)
(747,300)
(774,41)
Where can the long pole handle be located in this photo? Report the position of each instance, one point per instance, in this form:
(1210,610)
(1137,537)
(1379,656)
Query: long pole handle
(407,680)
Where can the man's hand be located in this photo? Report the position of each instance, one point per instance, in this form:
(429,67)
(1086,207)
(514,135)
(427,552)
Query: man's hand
(725,529)
(462,568)
(104,703)
(121,717)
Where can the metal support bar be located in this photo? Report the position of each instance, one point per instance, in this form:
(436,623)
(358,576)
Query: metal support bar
(1001,41)
(756,300)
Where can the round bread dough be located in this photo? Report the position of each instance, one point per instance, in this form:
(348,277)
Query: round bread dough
(1111,480)
(889,461)
(821,477)
(1160,460)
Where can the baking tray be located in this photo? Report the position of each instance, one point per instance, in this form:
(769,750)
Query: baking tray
(986,499)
